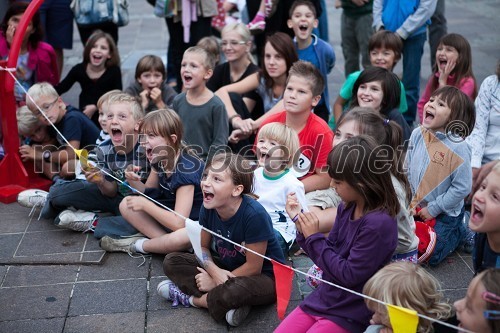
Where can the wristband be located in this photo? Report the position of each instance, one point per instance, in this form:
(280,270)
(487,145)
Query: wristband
(296,218)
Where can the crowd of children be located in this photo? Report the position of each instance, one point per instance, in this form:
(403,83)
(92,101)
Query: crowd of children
(349,197)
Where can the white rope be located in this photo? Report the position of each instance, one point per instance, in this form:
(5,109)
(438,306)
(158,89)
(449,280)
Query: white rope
(10,70)
(7,69)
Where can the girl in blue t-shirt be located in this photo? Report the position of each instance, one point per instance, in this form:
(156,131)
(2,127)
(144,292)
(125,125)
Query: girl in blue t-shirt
(228,279)
(174,181)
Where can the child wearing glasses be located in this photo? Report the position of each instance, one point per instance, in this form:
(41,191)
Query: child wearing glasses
(78,129)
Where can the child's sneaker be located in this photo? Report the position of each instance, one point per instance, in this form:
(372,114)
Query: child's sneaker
(258,24)
(123,244)
(315,271)
(32,198)
(235,317)
(168,290)
(78,220)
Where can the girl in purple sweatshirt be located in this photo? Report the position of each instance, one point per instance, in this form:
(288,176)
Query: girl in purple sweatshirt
(362,240)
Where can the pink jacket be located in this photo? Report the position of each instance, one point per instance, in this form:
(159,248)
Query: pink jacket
(467,86)
(41,60)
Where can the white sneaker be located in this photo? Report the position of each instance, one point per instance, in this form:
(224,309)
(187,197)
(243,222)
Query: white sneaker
(79,220)
(124,244)
(235,317)
(168,290)
(32,198)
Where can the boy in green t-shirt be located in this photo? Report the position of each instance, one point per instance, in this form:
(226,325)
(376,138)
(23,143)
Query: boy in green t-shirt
(385,49)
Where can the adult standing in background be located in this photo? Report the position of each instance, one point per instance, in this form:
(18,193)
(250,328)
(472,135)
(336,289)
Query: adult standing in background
(408,19)
(57,21)
(192,22)
(355,31)
(437,29)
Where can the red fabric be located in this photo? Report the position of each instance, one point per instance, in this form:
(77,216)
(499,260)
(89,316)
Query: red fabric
(283,278)
(315,139)
(42,60)
(427,238)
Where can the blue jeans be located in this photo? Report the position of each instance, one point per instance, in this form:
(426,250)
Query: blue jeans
(79,194)
(413,48)
(322,30)
(450,232)
(285,247)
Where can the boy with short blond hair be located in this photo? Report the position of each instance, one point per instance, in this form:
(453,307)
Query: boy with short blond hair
(203,114)
(303,19)
(100,191)
(79,131)
(302,93)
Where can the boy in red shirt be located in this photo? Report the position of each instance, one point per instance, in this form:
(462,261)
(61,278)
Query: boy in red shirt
(302,93)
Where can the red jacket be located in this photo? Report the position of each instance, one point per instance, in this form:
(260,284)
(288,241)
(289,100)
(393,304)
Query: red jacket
(42,60)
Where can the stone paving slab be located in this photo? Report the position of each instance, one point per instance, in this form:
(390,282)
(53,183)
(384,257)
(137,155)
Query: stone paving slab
(34,302)
(83,290)
(114,296)
(24,276)
(33,325)
(127,322)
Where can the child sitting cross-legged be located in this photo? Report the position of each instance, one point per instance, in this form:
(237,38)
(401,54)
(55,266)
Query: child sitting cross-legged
(228,280)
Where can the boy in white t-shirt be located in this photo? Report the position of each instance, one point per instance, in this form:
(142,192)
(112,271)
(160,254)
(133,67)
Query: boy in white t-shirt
(277,150)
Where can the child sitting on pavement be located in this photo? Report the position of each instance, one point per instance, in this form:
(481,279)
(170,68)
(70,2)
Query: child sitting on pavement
(302,93)
(485,209)
(76,129)
(174,181)
(203,114)
(385,49)
(479,310)
(150,85)
(439,170)
(100,191)
(35,139)
(409,286)
(102,105)
(277,149)
(227,280)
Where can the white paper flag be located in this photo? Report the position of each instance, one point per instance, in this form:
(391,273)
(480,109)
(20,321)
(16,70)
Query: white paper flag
(193,229)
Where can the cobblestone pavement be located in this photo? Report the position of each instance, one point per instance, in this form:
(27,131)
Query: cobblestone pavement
(53,280)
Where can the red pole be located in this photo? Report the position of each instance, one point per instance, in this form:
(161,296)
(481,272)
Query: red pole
(14,177)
